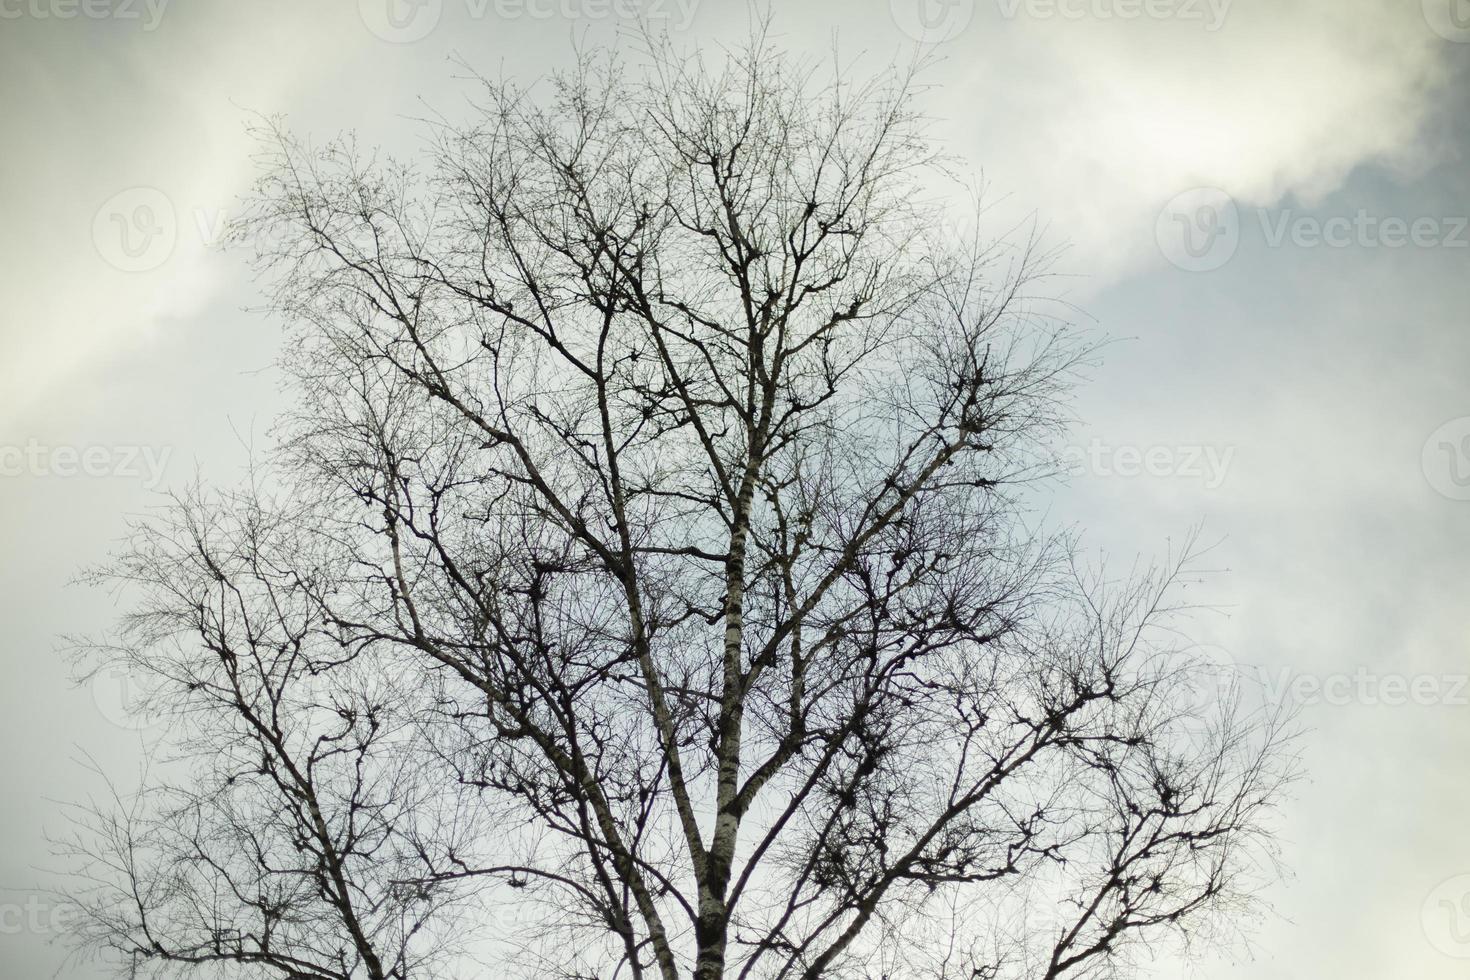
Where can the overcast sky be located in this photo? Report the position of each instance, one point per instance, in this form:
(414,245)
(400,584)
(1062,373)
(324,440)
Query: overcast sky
(1265,202)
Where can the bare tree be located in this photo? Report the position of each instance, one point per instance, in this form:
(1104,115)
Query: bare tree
(658,473)
(293,826)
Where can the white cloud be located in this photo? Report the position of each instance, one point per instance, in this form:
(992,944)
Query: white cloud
(1096,123)
(152,120)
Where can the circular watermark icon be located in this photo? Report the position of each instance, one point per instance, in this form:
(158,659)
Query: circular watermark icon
(1198,230)
(125,698)
(1446,917)
(932,21)
(1450,19)
(1445,459)
(401,21)
(135,230)
(1216,683)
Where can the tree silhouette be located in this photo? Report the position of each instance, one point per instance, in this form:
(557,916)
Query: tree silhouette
(642,585)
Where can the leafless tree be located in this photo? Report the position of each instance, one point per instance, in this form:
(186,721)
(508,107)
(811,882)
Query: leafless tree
(291,828)
(650,575)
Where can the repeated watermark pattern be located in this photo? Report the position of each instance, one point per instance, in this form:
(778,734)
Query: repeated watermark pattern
(1218,685)
(39,459)
(1362,229)
(1199,230)
(1210,14)
(407,21)
(136,230)
(932,21)
(1217,679)
(1450,19)
(1206,464)
(126,698)
(938,21)
(148,14)
(35,915)
(1446,917)
(1445,459)
(1361,686)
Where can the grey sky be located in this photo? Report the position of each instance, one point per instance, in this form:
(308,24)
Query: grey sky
(1290,365)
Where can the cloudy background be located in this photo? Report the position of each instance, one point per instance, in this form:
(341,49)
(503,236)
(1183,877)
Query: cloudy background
(1265,203)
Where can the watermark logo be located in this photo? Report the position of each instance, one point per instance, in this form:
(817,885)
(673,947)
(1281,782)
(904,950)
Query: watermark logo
(932,21)
(35,458)
(126,698)
(1218,687)
(1445,459)
(1198,230)
(1446,917)
(401,21)
(1450,19)
(1210,13)
(148,12)
(136,230)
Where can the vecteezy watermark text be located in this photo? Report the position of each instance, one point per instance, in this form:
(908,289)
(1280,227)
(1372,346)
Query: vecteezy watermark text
(1362,686)
(1200,229)
(36,915)
(35,458)
(938,21)
(1207,464)
(1210,13)
(406,21)
(1363,230)
(150,12)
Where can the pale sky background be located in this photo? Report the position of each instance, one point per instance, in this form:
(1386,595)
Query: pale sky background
(1308,400)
